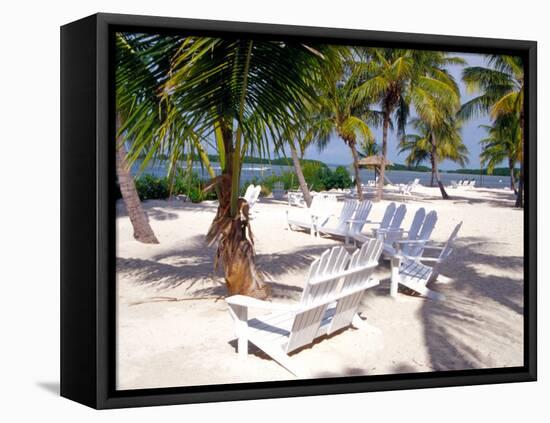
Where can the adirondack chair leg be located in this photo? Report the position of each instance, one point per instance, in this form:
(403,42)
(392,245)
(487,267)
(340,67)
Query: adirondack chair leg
(395,263)
(442,279)
(426,292)
(277,354)
(359,323)
(240,315)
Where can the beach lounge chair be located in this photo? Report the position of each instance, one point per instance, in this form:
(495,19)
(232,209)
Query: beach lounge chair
(330,301)
(408,268)
(278,191)
(353,217)
(322,207)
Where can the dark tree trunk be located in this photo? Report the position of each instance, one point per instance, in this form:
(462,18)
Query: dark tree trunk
(234,235)
(435,170)
(300,174)
(519,196)
(511,166)
(351,144)
(142,229)
(382,172)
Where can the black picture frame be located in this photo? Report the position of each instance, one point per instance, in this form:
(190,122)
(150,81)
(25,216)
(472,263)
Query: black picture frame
(87,215)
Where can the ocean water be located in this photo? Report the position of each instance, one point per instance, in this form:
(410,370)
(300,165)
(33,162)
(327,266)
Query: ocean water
(251,171)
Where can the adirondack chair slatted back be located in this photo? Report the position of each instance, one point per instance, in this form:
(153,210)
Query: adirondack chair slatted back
(346,214)
(323,205)
(398,217)
(416,224)
(388,216)
(448,248)
(423,235)
(360,217)
(256,194)
(319,282)
(248,193)
(347,306)
(320,285)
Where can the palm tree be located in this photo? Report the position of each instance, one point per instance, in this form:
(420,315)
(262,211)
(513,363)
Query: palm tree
(397,79)
(435,144)
(339,112)
(241,93)
(503,143)
(502,91)
(135,93)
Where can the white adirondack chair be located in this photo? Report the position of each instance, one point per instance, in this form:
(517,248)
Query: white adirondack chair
(418,234)
(278,191)
(330,300)
(408,268)
(353,217)
(249,191)
(251,195)
(390,226)
(322,207)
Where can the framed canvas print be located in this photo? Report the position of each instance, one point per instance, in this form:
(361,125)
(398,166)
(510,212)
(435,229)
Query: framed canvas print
(257,211)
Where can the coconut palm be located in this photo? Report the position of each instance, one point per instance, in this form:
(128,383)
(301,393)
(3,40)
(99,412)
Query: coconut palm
(397,79)
(434,144)
(502,92)
(339,112)
(135,93)
(503,143)
(239,94)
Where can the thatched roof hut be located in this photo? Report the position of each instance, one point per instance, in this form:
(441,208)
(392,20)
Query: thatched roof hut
(373,161)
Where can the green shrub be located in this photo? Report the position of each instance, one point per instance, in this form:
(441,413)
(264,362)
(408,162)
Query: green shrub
(318,177)
(150,187)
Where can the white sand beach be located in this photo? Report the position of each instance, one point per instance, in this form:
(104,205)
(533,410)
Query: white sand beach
(174,328)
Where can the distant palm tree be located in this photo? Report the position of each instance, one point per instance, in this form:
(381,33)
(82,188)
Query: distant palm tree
(240,93)
(397,79)
(433,145)
(339,112)
(502,144)
(502,87)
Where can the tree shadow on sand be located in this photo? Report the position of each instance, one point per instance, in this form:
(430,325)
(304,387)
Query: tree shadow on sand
(482,315)
(192,267)
(490,198)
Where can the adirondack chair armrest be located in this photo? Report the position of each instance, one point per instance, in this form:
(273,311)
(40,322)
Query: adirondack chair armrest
(354,221)
(400,257)
(433,247)
(389,230)
(430,259)
(250,302)
(410,241)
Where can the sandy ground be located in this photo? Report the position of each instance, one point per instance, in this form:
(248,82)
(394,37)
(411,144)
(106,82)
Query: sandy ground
(174,329)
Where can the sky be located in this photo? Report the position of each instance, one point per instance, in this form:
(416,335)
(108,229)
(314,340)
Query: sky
(337,153)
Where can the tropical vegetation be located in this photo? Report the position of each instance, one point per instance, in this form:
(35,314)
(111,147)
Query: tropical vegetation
(500,87)
(234,101)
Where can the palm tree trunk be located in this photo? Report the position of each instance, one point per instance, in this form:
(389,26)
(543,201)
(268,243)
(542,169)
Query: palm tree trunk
(511,166)
(232,231)
(355,156)
(519,196)
(382,172)
(435,170)
(300,173)
(142,229)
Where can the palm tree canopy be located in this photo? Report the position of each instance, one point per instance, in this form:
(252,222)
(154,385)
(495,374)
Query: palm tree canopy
(500,84)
